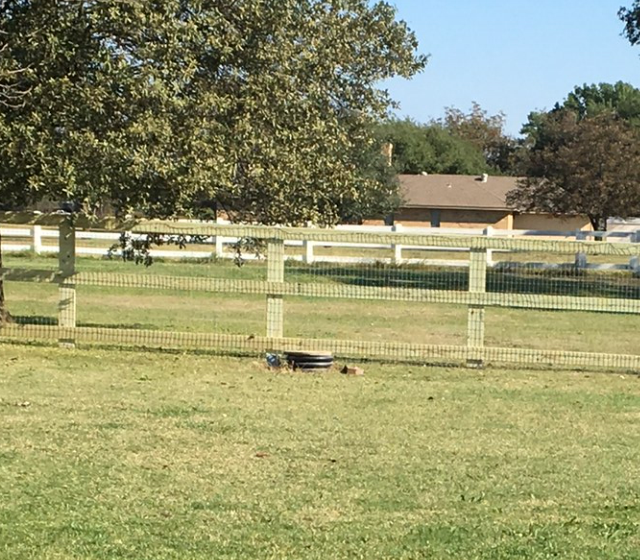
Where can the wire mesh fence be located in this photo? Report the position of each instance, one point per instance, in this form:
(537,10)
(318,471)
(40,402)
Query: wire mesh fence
(491,300)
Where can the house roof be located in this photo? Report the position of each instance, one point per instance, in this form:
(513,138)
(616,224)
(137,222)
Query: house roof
(465,192)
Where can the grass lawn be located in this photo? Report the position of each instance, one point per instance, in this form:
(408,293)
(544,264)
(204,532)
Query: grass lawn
(149,456)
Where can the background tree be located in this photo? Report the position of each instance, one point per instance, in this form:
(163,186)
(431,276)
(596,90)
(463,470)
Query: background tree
(430,148)
(263,107)
(587,166)
(485,132)
(621,99)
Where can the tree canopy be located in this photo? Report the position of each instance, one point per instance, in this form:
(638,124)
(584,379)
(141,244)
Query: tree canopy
(583,156)
(587,165)
(264,107)
(460,143)
(621,99)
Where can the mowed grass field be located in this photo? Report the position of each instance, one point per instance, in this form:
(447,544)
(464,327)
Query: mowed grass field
(398,321)
(156,456)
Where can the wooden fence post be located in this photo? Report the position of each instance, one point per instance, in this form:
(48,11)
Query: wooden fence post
(219,242)
(275,303)
(475,323)
(67,289)
(308,251)
(307,248)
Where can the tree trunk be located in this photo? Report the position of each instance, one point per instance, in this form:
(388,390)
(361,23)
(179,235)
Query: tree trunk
(5,316)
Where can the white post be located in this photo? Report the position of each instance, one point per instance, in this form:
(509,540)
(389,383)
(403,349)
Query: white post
(308,246)
(488,232)
(397,249)
(36,235)
(308,251)
(581,258)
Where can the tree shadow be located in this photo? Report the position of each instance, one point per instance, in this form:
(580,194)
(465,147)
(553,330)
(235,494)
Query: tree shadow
(39,320)
(26,275)
(567,282)
(521,280)
(387,276)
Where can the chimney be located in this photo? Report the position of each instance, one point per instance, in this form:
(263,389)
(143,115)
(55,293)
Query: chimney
(485,177)
(387,152)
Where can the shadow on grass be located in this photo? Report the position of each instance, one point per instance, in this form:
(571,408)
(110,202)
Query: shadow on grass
(26,275)
(42,320)
(565,282)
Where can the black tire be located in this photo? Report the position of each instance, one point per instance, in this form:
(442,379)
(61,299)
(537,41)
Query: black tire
(309,360)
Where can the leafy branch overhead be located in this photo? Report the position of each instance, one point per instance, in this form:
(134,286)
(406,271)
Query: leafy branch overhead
(137,248)
(631,18)
(261,108)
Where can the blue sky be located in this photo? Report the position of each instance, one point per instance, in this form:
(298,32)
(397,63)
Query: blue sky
(514,56)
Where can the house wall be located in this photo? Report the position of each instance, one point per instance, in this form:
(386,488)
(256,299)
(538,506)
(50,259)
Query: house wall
(475,219)
(413,217)
(550,222)
(421,217)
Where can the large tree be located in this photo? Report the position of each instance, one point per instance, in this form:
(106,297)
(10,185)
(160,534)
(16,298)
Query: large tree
(263,107)
(12,96)
(587,166)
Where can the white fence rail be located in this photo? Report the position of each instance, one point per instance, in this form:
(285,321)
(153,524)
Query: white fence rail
(34,239)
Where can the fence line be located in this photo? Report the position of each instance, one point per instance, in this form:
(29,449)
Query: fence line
(218,246)
(474,293)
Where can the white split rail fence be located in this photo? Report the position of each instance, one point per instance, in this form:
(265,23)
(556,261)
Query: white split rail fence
(216,247)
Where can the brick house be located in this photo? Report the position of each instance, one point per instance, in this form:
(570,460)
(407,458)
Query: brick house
(468,201)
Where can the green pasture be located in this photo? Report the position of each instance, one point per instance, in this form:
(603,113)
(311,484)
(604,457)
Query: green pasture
(156,456)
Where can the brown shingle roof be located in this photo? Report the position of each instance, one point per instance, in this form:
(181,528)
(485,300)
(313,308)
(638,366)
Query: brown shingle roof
(466,192)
